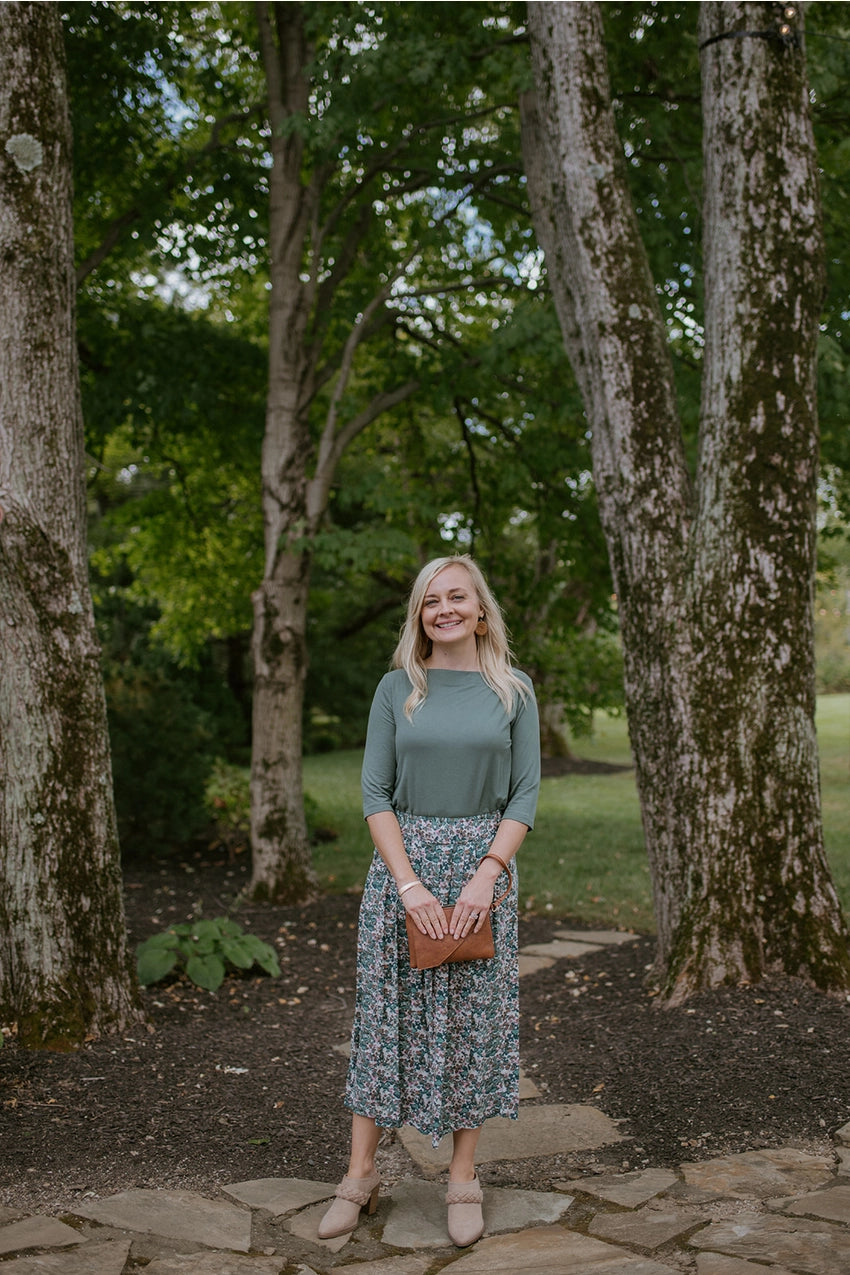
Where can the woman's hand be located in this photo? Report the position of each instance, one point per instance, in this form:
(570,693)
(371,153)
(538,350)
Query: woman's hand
(474,902)
(426,910)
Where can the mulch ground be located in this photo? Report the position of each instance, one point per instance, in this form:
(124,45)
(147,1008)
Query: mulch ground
(246,1083)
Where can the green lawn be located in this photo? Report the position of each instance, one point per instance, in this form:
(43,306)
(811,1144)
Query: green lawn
(585,858)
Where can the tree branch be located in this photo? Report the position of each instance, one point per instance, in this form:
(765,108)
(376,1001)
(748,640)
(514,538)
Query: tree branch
(120,224)
(374,612)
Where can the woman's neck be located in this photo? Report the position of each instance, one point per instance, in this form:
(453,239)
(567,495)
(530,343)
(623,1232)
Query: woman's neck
(461,661)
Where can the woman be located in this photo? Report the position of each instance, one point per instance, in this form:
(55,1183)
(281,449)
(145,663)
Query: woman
(450,778)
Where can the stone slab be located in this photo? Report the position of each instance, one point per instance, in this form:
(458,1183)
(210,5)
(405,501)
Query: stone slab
(10,1215)
(559,949)
(842,1135)
(808,1248)
(409,1264)
(760,1174)
(176,1215)
(36,1231)
(306,1226)
(684,1193)
(213,1264)
(527,1087)
(552,1250)
(280,1195)
(531,964)
(548,1129)
(628,1189)
(107,1257)
(605,938)
(418,1214)
(720,1264)
(647,1228)
(832,1204)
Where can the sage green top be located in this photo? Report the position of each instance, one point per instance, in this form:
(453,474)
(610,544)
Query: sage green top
(461,754)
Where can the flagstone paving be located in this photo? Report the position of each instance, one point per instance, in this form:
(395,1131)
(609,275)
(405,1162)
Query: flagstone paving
(761,1174)
(547,1130)
(777,1211)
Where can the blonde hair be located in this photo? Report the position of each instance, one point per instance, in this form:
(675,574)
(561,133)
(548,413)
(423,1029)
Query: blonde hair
(494,655)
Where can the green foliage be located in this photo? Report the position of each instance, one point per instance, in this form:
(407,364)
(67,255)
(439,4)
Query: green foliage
(160,743)
(832,627)
(415,109)
(174,416)
(227,800)
(227,797)
(206,950)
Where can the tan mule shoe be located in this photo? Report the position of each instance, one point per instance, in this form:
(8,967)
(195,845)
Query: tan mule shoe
(351,1195)
(466,1220)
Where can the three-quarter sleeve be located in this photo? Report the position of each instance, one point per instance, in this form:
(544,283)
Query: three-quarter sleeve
(525,762)
(378,776)
(460,754)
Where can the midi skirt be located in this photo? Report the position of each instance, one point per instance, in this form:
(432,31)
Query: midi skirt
(436,1049)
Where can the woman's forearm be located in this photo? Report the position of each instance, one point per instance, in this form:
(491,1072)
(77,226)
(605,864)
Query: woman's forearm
(388,841)
(419,902)
(508,839)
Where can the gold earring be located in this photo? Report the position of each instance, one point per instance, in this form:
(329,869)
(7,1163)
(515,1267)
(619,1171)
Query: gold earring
(481,627)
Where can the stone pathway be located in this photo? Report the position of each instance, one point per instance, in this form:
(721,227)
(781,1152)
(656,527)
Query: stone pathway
(784,1211)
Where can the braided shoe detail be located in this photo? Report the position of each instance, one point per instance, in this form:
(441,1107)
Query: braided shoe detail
(465,1216)
(352,1189)
(351,1196)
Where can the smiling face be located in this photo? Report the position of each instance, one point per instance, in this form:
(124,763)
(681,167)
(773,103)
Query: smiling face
(450,611)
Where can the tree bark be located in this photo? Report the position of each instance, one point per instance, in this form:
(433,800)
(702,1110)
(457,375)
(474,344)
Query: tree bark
(282,867)
(297,473)
(713,580)
(64,972)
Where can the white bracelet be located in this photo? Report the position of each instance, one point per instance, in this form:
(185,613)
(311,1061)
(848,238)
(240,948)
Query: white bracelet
(409,886)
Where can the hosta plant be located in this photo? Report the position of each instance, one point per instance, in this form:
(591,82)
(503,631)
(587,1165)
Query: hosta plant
(206,950)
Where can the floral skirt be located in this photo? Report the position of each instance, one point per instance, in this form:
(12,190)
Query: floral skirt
(435,1049)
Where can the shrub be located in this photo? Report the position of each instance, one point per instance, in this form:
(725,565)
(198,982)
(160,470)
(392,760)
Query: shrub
(227,797)
(159,744)
(205,949)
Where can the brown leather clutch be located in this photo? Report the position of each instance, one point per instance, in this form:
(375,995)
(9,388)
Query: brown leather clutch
(427,953)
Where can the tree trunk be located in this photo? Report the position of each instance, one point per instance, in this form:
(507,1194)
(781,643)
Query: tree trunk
(297,474)
(64,973)
(714,584)
(282,868)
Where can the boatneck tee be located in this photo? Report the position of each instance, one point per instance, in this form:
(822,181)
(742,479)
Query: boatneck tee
(461,754)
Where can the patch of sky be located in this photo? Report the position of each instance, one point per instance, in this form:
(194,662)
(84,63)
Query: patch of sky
(579,484)
(455,527)
(680,320)
(829,510)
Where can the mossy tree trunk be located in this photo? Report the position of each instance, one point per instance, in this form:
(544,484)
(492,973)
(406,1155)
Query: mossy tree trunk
(714,577)
(64,973)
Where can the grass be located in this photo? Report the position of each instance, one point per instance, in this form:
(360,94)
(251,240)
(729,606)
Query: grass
(833,723)
(586,857)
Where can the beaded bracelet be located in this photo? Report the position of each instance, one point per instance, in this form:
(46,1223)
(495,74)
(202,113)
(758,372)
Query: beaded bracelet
(409,886)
